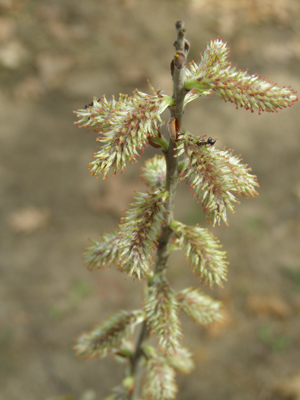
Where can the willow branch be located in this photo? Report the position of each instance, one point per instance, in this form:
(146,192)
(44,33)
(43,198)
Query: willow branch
(172,175)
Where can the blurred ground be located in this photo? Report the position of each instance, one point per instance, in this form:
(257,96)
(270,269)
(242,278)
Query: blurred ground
(54,57)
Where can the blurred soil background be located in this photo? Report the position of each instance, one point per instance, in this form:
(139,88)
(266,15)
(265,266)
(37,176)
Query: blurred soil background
(54,57)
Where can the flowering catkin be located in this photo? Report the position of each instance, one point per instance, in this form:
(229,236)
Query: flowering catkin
(124,127)
(215,74)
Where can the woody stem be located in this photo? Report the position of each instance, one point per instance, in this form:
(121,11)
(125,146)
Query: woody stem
(172,175)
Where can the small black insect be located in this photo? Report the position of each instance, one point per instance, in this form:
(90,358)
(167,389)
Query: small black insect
(90,104)
(210,141)
(201,142)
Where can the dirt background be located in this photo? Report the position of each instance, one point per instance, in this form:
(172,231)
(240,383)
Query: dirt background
(54,57)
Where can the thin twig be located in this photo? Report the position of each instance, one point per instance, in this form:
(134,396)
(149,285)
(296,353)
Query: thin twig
(172,174)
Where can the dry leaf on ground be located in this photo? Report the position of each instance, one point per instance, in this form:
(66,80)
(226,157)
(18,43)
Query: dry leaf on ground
(268,305)
(289,388)
(28,219)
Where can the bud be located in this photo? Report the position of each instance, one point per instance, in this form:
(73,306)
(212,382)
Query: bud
(154,172)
